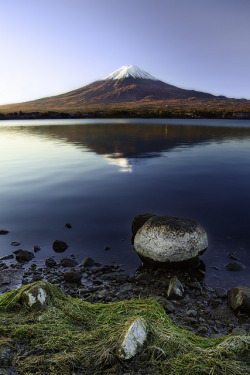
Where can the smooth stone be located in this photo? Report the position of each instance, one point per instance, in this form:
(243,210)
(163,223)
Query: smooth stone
(36,249)
(234,266)
(59,246)
(167,239)
(15,243)
(3,232)
(68,262)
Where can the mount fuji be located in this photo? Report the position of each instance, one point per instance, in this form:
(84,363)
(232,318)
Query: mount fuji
(130,88)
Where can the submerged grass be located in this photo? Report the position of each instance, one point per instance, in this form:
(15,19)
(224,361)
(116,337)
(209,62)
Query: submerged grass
(75,336)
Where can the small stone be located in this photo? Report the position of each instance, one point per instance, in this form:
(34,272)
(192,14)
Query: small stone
(232,256)
(15,243)
(144,276)
(72,276)
(175,289)
(50,262)
(59,246)
(36,249)
(3,232)
(6,257)
(220,292)
(69,226)
(192,313)
(107,248)
(167,305)
(88,262)
(239,331)
(234,266)
(68,262)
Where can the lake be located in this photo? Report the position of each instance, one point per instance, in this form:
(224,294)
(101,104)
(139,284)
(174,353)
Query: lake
(98,174)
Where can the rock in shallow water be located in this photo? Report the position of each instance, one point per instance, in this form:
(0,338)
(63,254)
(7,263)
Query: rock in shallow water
(167,239)
(239,298)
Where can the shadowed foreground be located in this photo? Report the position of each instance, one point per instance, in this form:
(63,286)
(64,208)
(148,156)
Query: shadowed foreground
(62,335)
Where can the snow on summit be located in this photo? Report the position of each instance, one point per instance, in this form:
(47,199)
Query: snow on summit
(127,71)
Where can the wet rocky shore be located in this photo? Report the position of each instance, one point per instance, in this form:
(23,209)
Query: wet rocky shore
(195,306)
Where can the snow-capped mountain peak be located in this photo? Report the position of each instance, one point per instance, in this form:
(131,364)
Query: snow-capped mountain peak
(127,71)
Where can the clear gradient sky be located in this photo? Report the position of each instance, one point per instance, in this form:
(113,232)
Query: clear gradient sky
(52,46)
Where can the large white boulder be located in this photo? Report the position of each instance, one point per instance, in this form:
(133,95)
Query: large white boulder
(168,239)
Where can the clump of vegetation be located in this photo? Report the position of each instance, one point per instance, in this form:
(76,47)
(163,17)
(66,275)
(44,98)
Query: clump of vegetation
(73,336)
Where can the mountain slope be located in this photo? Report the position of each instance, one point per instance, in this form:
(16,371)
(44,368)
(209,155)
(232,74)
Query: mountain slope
(128,87)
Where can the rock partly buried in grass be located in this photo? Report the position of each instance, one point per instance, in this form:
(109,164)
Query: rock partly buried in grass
(39,295)
(168,239)
(139,221)
(133,339)
(239,298)
(59,246)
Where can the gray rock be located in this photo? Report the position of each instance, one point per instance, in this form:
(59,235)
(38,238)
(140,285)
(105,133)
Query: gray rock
(239,331)
(6,257)
(59,246)
(139,221)
(167,305)
(88,262)
(6,354)
(10,279)
(15,243)
(175,288)
(68,262)
(239,298)
(50,262)
(36,297)
(133,340)
(23,256)
(3,232)
(192,313)
(221,292)
(72,276)
(167,239)
(234,266)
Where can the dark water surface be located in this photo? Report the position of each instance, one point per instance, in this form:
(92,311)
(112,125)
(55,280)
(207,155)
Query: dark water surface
(97,175)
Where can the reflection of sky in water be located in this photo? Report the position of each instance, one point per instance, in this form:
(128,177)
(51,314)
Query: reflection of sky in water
(54,175)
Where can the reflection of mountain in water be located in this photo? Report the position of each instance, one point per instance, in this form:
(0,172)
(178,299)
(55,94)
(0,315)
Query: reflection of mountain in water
(121,143)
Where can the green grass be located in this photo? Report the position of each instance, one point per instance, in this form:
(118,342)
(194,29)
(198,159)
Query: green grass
(72,335)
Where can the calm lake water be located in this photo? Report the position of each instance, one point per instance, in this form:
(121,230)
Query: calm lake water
(97,175)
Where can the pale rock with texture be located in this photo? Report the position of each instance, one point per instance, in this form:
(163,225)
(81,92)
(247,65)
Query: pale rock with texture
(133,340)
(239,298)
(175,288)
(168,239)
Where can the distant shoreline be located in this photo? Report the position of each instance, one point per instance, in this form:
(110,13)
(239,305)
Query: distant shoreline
(123,114)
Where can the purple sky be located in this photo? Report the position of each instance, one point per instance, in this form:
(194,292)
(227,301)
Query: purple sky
(52,46)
